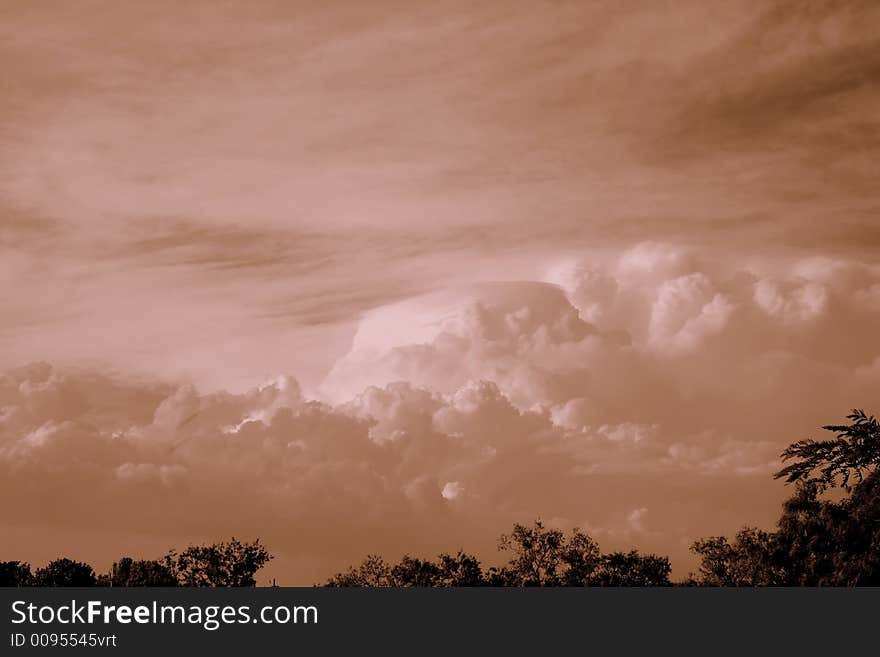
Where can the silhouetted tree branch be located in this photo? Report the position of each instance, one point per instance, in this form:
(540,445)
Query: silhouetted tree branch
(828,463)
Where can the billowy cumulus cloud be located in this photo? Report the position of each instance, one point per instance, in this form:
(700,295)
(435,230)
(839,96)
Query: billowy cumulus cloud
(455,414)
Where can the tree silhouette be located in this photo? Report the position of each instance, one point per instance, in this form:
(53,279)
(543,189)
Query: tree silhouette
(631,569)
(752,559)
(65,572)
(537,554)
(130,572)
(540,556)
(414,572)
(232,563)
(545,557)
(828,543)
(828,463)
(459,570)
(15,573)
(858,563)
(581,558)
(372,571)
(225,564)
(817,542)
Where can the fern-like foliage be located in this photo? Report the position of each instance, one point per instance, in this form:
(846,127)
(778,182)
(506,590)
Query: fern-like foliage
(838,462)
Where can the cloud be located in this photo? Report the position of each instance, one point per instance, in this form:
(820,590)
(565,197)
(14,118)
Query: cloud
(589,288)
(457,413)
(400,468)
(637,518)
(520,334)
(254,222)
(792,302)
(685,310)
(452,490)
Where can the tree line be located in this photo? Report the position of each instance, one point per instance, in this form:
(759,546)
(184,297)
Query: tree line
(540,556)
(817,542)
(224,564)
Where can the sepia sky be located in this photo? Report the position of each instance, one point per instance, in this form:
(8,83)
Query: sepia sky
(422,270)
